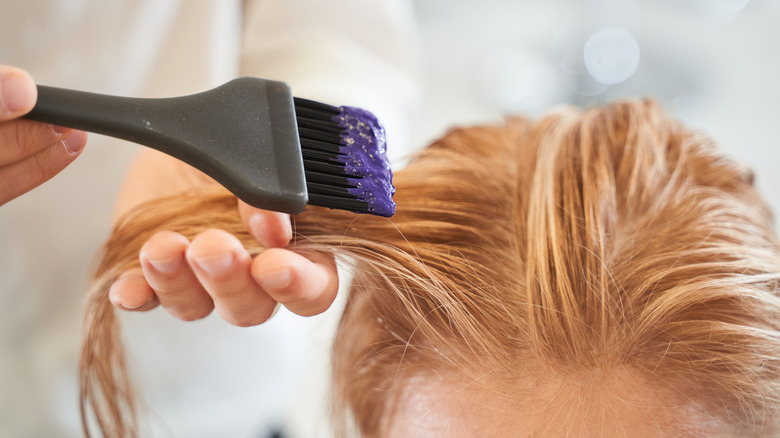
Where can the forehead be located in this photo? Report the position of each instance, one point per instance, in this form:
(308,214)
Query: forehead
(557,407)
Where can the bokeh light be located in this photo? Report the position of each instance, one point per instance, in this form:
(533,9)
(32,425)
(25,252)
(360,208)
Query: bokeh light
(611,55)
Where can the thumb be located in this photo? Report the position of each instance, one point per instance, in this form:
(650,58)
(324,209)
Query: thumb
(17,92)
(270,228)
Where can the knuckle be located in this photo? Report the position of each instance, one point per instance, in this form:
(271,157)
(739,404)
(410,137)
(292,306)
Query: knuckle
(317,307)
(18,141)
(191,315)
(167,287)
(249,319)
(226,294)
(41,167)
(313,306)
(19,136)
(294,296)
(45,164)
(244,322)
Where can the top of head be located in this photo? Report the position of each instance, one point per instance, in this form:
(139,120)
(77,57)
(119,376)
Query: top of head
(566,250)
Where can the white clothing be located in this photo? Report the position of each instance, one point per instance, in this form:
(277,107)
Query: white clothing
(201,379)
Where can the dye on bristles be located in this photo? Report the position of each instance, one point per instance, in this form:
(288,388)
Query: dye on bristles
(364,147)
(345,158)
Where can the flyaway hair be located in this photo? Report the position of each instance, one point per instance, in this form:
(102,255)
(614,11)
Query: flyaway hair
(591,241)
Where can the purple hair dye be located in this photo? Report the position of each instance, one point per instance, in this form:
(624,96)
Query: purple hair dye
(364,148)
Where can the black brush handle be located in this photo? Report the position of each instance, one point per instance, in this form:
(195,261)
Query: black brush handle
(243,134)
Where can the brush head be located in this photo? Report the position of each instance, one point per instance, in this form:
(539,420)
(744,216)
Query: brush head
(345,158)
(364,148)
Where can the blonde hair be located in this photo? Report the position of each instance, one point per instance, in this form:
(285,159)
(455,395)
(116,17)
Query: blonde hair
(611,237)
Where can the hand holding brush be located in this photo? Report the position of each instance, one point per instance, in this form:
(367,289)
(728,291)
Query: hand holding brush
(30,153)
(273,151)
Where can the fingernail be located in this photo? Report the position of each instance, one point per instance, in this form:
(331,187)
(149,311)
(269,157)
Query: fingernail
(60,129)
(166,266)
(73,145)
(266,229)
(215,264)
(277,279)
(257,226)
(131,306)
(117,300)
(16,94)
(113,295)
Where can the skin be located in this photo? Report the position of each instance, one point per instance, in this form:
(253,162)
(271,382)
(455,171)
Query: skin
(30,153)
(619,403)
(188,279)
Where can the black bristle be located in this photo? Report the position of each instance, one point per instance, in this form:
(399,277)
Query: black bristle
(324,178)
(325,189)
(322,125)
(349,204)
(320,167)
(318,155)
(313,104)
(310,109)
(327,180)
(330,148)
(318,134)
(312,114)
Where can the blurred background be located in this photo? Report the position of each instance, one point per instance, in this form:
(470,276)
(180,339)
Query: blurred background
(712,63)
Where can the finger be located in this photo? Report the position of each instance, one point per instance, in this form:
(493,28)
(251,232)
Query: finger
(21,177)
(20,139)
(132,292)
(171,278)
(18,92)
(271,229)
(222,265)
(304,286)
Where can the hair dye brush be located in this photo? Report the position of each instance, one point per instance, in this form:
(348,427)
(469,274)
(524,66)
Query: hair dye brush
(272,150)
